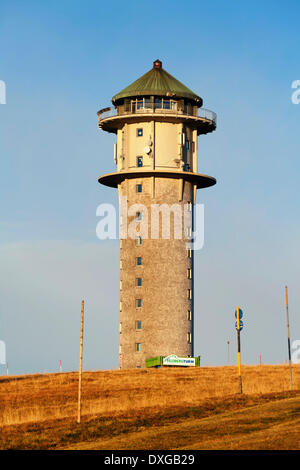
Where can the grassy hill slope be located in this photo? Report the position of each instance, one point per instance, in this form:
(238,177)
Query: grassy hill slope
(153,409)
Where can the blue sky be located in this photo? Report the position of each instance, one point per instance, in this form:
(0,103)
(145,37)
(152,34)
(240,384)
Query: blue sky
(61,62)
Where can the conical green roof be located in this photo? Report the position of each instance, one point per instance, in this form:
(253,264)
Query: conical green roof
(157,82)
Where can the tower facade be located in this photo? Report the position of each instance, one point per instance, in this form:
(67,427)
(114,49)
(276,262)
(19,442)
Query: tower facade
(156,120)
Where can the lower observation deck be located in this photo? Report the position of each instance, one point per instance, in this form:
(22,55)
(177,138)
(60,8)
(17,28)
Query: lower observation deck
(114,179)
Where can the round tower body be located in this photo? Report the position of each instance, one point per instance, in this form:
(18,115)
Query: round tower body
(156,274)
(156,121)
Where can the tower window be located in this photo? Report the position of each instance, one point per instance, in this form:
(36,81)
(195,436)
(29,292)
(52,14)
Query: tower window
(139,282)
(189,294)
(139,161)
(189,273)
(139,261)
(138,303)
(138,347)
(189,338)
(139,132)
(189,315)
(189,253)
(138,325)
(139,241)
(158,103)
(139,216)
(139,188)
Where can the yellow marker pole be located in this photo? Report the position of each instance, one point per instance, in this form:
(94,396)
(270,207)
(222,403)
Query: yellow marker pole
(239,348)
(288,334)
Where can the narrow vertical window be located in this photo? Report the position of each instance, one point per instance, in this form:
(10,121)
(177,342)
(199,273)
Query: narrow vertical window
(120,328)
(138,303)
(138,347)
(139,161)
(139,188)
(189,315)
(189,273)
(138,325)
(139,261)
(189,338)
(115,154)
(139,132)
(189,294)
(139,241)
(139,282)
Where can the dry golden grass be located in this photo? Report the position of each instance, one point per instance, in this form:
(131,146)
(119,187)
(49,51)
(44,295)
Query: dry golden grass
(272,423)
(37,402)
(38,397)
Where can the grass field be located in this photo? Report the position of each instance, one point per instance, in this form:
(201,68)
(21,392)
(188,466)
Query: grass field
(153,409)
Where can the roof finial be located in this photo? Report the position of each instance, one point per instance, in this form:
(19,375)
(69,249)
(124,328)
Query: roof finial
(157,64)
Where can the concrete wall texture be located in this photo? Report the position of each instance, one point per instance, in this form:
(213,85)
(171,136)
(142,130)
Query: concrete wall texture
(156,317)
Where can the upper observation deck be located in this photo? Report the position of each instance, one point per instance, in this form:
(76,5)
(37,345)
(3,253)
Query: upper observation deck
(163,109)
(157,96)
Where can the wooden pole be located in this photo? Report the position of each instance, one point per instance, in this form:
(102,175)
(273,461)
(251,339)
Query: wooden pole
(239,348)
(80,364)
(288,334)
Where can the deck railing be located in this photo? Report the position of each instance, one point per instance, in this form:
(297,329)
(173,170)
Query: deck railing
(159,106)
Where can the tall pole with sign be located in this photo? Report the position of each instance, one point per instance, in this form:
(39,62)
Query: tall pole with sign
(288,334)
(239,327)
